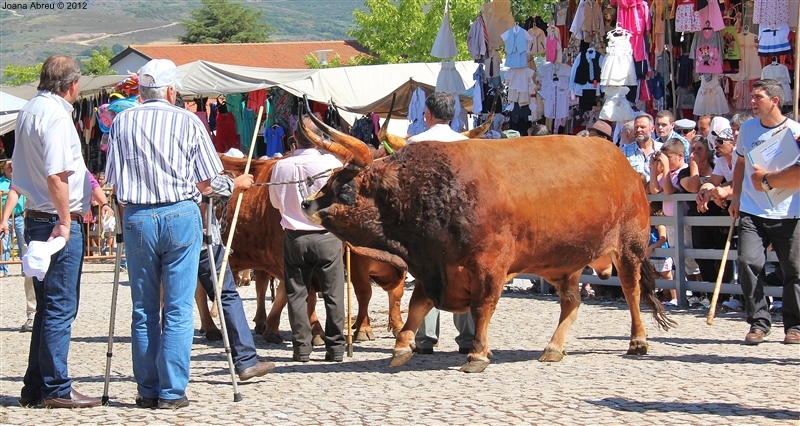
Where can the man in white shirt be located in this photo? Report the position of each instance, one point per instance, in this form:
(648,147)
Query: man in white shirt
(49,170)
(762,224)
(439,110)
(309,248)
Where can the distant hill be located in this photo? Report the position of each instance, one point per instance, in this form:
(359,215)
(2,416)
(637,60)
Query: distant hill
(30,36)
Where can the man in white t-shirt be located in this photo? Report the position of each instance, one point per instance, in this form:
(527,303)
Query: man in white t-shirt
(439,110)
(761,224)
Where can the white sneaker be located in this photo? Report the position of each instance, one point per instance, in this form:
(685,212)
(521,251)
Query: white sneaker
(28,326)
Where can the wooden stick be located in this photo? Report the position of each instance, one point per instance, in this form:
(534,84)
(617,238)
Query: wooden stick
(238,203)
(713,308)
(349,308)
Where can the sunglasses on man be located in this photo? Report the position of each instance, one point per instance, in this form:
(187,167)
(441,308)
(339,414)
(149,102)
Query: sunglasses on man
(684,131)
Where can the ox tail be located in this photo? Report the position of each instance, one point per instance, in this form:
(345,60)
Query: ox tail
(647,285)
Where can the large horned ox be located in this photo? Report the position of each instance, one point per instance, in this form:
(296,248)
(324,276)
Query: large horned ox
(258,245)
(466,217)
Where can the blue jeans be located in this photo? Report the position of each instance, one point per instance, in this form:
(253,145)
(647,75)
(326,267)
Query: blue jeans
(162,242)
(243,349)
(17,224)
(57,306)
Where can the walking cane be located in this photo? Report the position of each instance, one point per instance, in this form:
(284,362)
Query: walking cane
(117,263)
(349,308)
(218,297)
(713,308)
(239,200)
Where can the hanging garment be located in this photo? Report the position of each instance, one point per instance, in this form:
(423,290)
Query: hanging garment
(477,91)
(519,82)
(711,16)
(588,20)
(706,51)
(616,107)
(686,18)
(552,47)
(554,81)
(730,44)
(445,44)
(772,12)
(774,40)
(780,73)
(477,39)
(498,19)
(711,98)
(741,94)
(657,7)
(416,113)
(212,117)
(273,135)
(516,49)
(226,137)
(634,16)
(586,71)
(618,67)
(537,44)
(248,128)
(749,65)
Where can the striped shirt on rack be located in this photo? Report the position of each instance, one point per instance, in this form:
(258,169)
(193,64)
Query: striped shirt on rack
(157,152)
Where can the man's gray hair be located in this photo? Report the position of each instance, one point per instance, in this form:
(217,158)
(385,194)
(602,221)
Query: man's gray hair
(58,74)
(628,126)
(150,93)
(740,118)
(772,88)
(442,105)
(645,115)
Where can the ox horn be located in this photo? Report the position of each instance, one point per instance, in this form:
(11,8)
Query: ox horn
(394,142)
(309,136)
(358,149)
(483,128)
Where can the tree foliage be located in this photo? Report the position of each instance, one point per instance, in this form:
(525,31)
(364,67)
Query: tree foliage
(399,31)
(313,63)
(16,75)
(223,21)
(100,62)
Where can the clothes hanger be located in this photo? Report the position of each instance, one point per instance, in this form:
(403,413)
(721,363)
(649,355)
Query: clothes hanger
(746,30)
(708,26)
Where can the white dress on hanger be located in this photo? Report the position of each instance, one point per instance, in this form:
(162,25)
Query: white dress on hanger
(749,65)
(618,67)
(519,85)
(711,98)
(781,73)
(616,106)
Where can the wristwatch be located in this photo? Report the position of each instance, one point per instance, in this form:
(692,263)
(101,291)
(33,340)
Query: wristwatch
(764,184)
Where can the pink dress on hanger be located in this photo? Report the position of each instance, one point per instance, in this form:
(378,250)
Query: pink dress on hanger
(551,48)
(712,15)
(634,16)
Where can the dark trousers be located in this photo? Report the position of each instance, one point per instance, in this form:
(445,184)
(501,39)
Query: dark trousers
(306,253)
(243,349)
(755,234)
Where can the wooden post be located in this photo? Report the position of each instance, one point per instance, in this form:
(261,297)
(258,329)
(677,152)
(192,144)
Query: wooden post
(796,70)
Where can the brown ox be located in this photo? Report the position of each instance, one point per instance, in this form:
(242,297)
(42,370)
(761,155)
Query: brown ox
(468,216)
(258,244)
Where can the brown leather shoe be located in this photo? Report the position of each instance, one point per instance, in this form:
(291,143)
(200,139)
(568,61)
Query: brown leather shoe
(792,337)
(259,369)
(755,336)
(75,399)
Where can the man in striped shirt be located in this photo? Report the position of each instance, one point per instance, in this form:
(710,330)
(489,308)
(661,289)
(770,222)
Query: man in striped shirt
(160,157)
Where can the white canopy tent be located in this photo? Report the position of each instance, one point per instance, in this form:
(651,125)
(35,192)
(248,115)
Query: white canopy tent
(9,107)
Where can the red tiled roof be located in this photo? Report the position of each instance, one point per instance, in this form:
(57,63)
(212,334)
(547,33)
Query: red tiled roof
(289,55)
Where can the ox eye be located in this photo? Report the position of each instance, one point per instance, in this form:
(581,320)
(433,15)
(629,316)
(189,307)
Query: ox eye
(347,193)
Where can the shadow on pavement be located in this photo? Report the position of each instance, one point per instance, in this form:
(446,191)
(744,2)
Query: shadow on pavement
(716,408)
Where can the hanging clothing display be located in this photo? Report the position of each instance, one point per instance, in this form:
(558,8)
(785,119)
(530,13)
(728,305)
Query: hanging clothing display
(773,40)
(273,135)
(711,16)
(519,82)
(730,44)
(477,39)
(586,69)
(498,19)
(749,65)
(686,18)
(537,44)
(616,106)
(516,47)
(618,67)
(657,8)
(554,81)
(416,113)
(711,98)
(552,46)
(445,44)
(634,16)
(706,51)
(588,20)
(780,73)
(771,12)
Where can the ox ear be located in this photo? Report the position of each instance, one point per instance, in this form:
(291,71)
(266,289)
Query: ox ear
(389,180)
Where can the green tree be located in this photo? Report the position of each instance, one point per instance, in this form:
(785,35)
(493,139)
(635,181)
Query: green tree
(100,62)
(221,21)
(313,63)
(399,31)
(16,75)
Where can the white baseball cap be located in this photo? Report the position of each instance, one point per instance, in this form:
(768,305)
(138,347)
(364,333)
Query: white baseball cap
(36,260)
(158,73)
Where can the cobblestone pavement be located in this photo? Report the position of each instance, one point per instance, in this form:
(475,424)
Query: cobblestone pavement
(695,374)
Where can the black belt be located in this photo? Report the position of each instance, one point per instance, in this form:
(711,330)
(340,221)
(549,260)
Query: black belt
(33,214)
(302,232)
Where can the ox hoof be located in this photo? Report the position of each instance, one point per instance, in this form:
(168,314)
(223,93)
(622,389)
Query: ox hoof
(397,331)
(400,356)
(260,329)
(318,341)
(363,336)
(213,335)
(273,338)
(551,355)
(475,365)
(637,347)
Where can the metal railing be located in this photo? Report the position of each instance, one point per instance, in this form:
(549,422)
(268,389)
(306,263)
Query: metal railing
(679,253)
